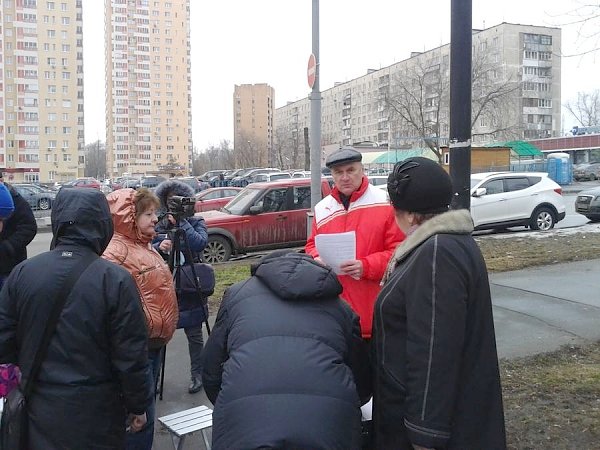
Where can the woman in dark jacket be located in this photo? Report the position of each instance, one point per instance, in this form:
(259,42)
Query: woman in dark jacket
(281,365)
(17,231)
(95,369)
(436,377)
(192,313)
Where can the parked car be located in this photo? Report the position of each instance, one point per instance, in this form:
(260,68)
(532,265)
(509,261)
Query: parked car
(191,182)
(215,198)
(507,199)
(36,196)
(588,204)
(301,174)
(262,216)
(587,172)
(243,180)
(268,177)
(152,181)
(378,180)
(211,175)
(85,182)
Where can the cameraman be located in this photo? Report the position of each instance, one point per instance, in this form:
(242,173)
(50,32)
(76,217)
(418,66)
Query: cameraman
(194,242)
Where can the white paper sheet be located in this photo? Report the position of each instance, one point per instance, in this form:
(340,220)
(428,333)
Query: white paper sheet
(336,248)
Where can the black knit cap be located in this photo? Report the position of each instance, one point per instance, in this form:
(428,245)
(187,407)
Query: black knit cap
(420,185)
(343,155)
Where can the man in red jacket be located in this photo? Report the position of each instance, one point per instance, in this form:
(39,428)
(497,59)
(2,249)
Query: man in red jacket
(355,205)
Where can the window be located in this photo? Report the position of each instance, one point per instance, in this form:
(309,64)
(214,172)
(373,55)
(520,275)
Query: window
(301,197)
(51,33)
(516,184)
(494,187)
(50,5)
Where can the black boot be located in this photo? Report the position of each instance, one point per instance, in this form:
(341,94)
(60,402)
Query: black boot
(195,385)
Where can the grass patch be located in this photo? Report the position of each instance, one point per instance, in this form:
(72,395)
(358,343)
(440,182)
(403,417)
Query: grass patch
(553,400)
(514,253)
(225,276)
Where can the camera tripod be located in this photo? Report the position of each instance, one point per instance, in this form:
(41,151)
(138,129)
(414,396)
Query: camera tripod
(176,235)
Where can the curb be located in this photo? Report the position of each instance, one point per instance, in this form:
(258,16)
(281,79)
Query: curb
(44,224)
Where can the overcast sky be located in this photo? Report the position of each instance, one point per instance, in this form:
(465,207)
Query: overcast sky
(269,41)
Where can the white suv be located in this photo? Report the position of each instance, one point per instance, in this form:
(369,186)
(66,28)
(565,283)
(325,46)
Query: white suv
(508,199)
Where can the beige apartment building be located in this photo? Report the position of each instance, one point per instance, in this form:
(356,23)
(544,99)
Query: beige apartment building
(148,91)
(253,125)
(41,90)
(521,62)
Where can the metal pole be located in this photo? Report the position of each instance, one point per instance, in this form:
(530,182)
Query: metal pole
(315,115)
(460,102)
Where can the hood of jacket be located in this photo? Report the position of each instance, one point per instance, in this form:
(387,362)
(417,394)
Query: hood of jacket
(174,187)
(451,222)
(81,216)
(297,276)
(122,209)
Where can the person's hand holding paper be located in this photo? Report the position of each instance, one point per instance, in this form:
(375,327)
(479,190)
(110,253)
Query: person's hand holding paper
(338,251)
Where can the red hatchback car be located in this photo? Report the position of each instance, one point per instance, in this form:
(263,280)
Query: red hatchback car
(215,198)
(262,216)
(86,182)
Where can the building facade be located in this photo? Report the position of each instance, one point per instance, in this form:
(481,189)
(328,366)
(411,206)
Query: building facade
(253,108)
(148,91)
(41,90)
(516,95)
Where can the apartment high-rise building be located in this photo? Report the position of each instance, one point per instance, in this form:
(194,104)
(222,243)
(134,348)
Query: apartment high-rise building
(253,125)
(516,95)
(41,90)
(148,92)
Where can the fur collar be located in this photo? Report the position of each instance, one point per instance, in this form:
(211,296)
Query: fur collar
(451,222)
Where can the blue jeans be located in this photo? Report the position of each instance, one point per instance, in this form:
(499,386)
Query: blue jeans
(142,440)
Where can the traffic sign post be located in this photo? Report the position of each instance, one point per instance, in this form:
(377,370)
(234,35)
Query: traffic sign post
(311,71)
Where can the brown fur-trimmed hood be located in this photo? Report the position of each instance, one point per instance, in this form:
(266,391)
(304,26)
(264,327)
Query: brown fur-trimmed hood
(451,222)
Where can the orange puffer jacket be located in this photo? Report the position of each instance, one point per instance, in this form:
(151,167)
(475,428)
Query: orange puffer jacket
(132,250)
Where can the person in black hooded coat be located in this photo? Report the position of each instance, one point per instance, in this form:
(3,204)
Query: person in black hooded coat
(17,231)
(95,370)
(284,365)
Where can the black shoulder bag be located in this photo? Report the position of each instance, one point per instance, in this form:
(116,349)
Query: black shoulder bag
(13,427)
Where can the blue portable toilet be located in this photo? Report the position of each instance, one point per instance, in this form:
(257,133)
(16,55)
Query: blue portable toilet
(560,168)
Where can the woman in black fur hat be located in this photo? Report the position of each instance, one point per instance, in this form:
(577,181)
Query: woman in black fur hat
(436,377)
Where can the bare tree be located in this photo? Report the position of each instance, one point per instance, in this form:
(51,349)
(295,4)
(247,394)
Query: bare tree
(419,102)
(286,151)
(95,160)
(248,151)
(585,17)
(214,157)
(586,109)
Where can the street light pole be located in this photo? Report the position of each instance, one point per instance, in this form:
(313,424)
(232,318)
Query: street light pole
(460,102)
(315,115)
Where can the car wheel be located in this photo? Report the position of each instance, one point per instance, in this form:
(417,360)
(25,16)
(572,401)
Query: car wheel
(44,203)
(542,219)
(592,177)
(217,250)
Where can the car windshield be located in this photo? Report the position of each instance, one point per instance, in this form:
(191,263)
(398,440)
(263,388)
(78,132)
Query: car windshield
(240,202)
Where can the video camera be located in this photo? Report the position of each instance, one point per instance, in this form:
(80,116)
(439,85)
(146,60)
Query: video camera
(181,207)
